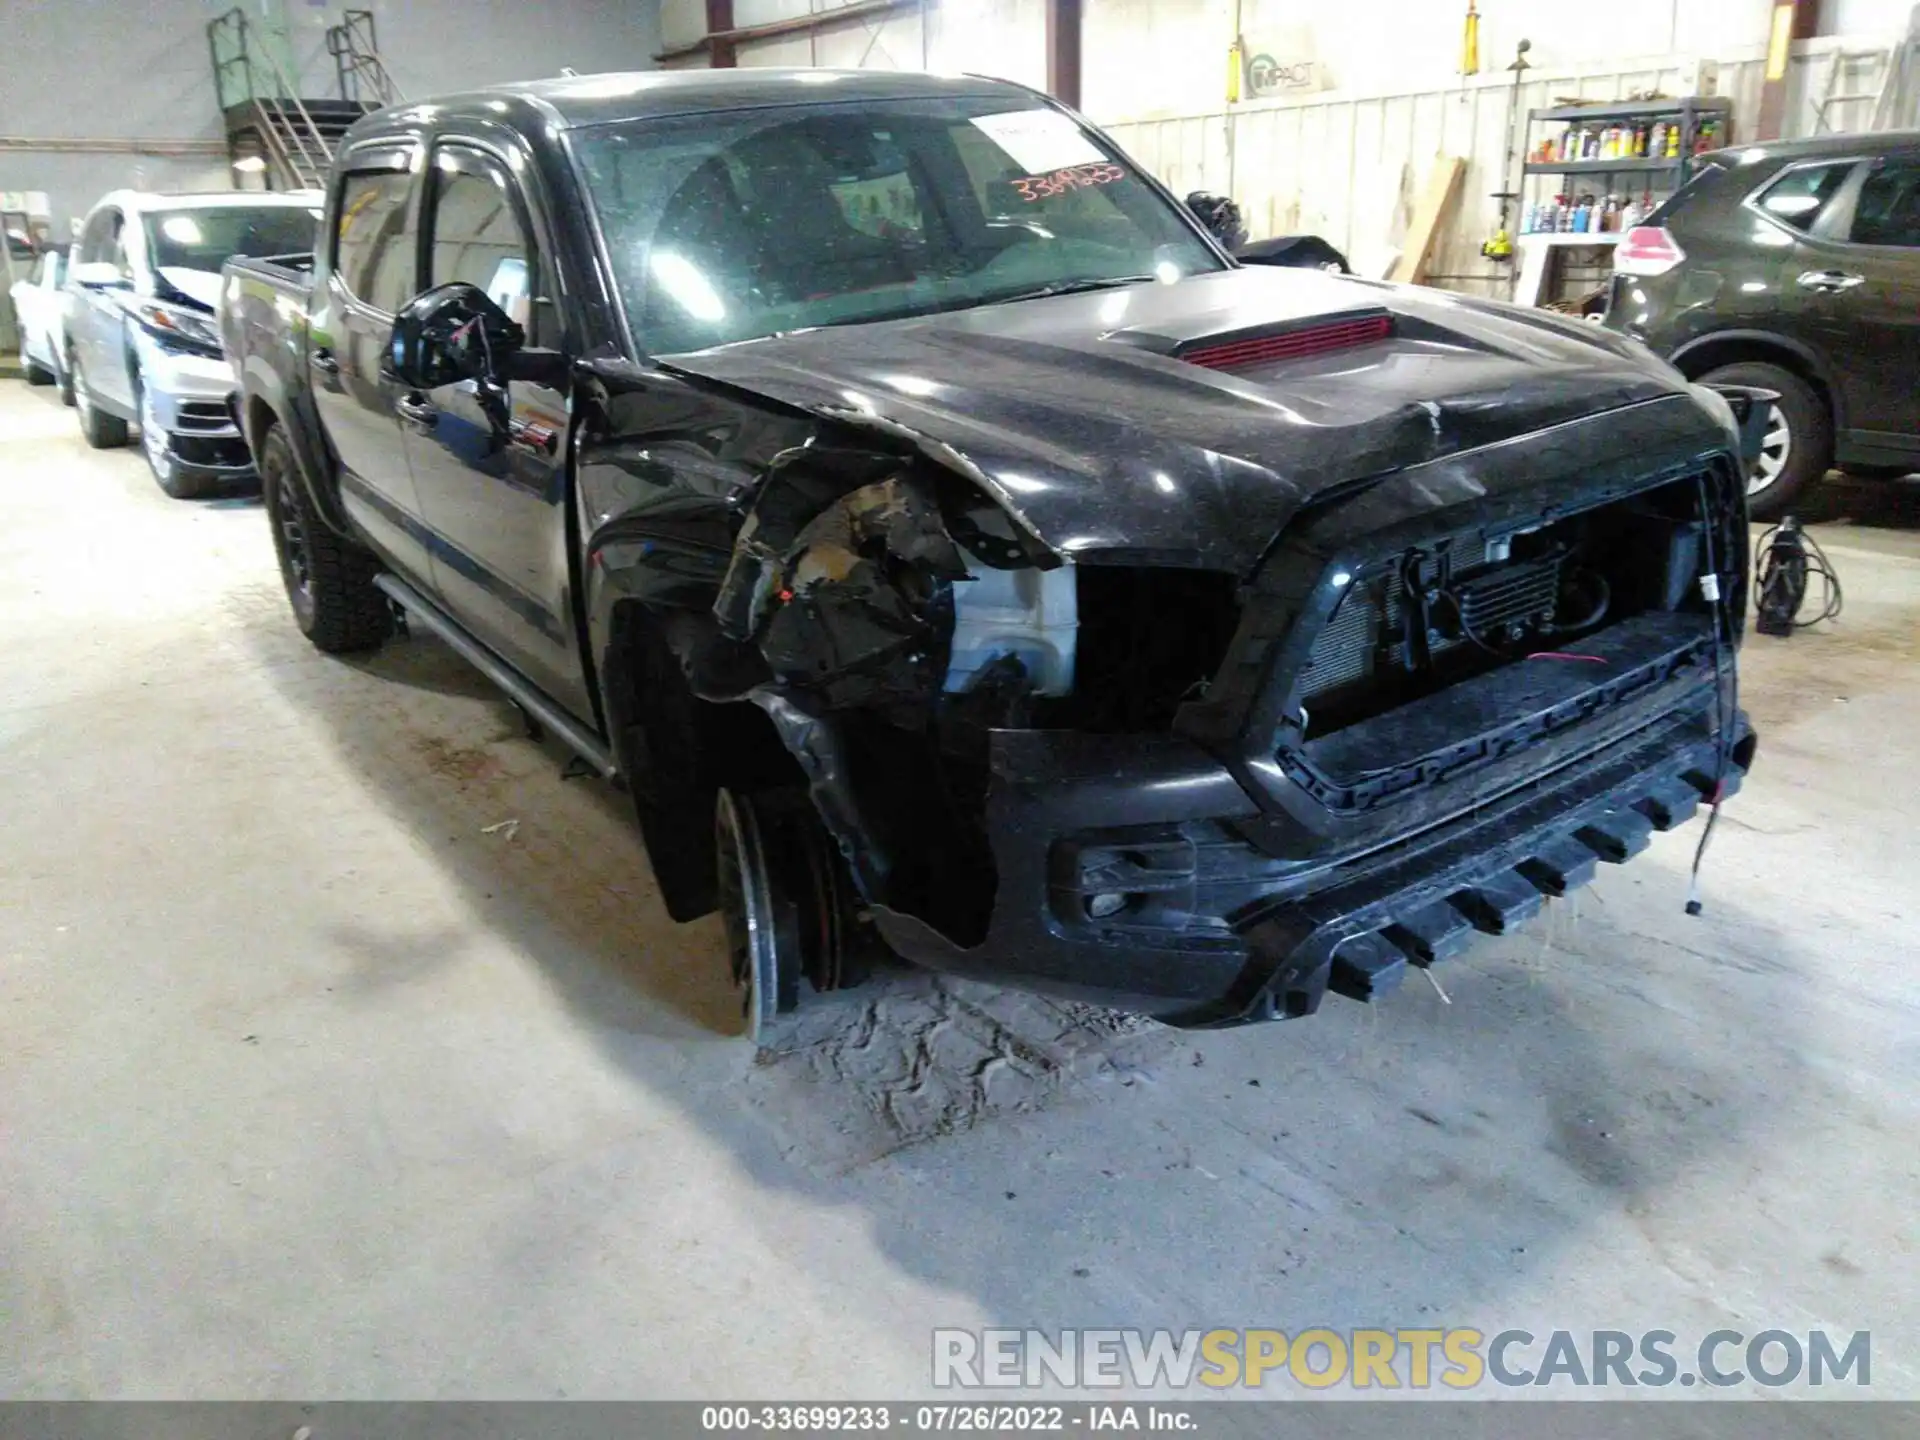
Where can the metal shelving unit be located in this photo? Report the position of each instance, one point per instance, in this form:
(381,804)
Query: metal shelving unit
(1689,112)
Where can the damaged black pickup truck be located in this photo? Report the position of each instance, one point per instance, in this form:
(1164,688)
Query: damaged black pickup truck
(882,475)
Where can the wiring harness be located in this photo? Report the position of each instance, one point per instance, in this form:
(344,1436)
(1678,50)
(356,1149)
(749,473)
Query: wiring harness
(1785,560)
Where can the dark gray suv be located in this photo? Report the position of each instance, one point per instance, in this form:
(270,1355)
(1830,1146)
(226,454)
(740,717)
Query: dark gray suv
(1794,266)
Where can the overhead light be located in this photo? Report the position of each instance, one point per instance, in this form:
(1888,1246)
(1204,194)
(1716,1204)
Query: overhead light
(182,230)
(250,164)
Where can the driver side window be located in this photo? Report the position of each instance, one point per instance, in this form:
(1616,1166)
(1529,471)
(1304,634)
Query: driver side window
(478,236)
(98,242)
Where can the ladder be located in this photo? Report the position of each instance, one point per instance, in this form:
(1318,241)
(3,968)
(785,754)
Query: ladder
(1896,103)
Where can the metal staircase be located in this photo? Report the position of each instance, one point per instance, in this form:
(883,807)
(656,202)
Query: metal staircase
(275,137)
(355,47)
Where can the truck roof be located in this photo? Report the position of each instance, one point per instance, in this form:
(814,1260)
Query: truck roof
(577,100)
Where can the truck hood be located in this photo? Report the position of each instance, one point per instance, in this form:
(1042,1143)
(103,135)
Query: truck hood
(1078,413)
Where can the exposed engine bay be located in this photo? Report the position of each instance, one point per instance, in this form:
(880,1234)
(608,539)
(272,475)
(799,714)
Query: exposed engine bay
(1437,614)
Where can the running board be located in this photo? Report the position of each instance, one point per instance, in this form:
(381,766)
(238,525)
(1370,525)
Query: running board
(556,720)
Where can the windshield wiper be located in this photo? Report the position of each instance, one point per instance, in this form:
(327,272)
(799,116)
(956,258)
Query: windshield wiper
(1067,287)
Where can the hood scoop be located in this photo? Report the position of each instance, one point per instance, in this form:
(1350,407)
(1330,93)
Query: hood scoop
(1270,344)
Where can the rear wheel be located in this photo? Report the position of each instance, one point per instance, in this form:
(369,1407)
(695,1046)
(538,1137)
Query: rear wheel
(100,430)
(329,579)
(1797,448)
(64,373)
(37,374)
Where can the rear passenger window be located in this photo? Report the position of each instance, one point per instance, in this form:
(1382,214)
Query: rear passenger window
(1889,209)
(1800,197)
(373,250)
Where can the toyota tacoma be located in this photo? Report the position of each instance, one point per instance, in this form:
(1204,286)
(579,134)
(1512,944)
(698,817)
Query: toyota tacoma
(955,553)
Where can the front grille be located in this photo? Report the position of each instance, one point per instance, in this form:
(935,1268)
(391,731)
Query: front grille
(202,416)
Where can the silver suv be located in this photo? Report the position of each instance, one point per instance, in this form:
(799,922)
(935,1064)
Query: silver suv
(141,342)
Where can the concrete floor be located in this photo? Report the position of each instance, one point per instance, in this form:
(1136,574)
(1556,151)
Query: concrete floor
(312,1086)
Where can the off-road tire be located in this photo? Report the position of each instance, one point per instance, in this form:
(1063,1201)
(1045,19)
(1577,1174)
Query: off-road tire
(329,579)
(1809,427)
(100,430)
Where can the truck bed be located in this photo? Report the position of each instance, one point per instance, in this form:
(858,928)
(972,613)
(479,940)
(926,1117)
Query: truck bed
(263,305)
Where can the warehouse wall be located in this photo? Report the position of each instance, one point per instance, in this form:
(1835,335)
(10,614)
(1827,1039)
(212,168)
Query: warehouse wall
(137,72)
(1147,57)
(985,37)
(1169,57)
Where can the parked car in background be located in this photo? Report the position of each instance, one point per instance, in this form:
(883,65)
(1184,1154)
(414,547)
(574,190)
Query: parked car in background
(141,346)
(37,315)
(1793,266)
(952,547)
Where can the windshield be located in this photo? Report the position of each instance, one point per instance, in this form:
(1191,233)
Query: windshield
(205,239)
(724,227)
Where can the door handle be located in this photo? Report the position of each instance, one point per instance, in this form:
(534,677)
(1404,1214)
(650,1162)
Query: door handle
(324,362)
(417,411)
(1830,282)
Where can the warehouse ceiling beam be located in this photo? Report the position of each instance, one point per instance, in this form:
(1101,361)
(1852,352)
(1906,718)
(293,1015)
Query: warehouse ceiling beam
(1787,21)
(1063,51)
(725,38)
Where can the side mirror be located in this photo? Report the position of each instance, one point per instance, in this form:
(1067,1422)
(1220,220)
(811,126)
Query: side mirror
(451,333)
(99,275)
(1221,217)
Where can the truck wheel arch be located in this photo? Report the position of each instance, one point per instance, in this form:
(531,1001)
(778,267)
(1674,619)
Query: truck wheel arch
(259,415)
(678,751)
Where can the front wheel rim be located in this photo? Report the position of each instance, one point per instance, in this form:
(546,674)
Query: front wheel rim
(1776,448)
(152,438)
(746,913)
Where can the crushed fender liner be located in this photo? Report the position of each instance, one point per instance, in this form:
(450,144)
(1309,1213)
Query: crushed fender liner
(846,600)
(841,585)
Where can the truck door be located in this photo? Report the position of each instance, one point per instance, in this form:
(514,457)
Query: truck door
(371,261)
(1870,287)
(491,464)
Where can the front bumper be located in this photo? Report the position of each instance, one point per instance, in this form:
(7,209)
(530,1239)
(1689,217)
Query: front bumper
(1213,930)
(192,398)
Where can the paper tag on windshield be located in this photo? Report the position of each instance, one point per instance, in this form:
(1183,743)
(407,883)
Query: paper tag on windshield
(1039,140)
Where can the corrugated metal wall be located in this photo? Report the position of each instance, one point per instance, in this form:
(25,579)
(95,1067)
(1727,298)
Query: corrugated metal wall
(1352,170)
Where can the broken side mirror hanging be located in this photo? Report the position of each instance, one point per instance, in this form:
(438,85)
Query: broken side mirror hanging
(449,334)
